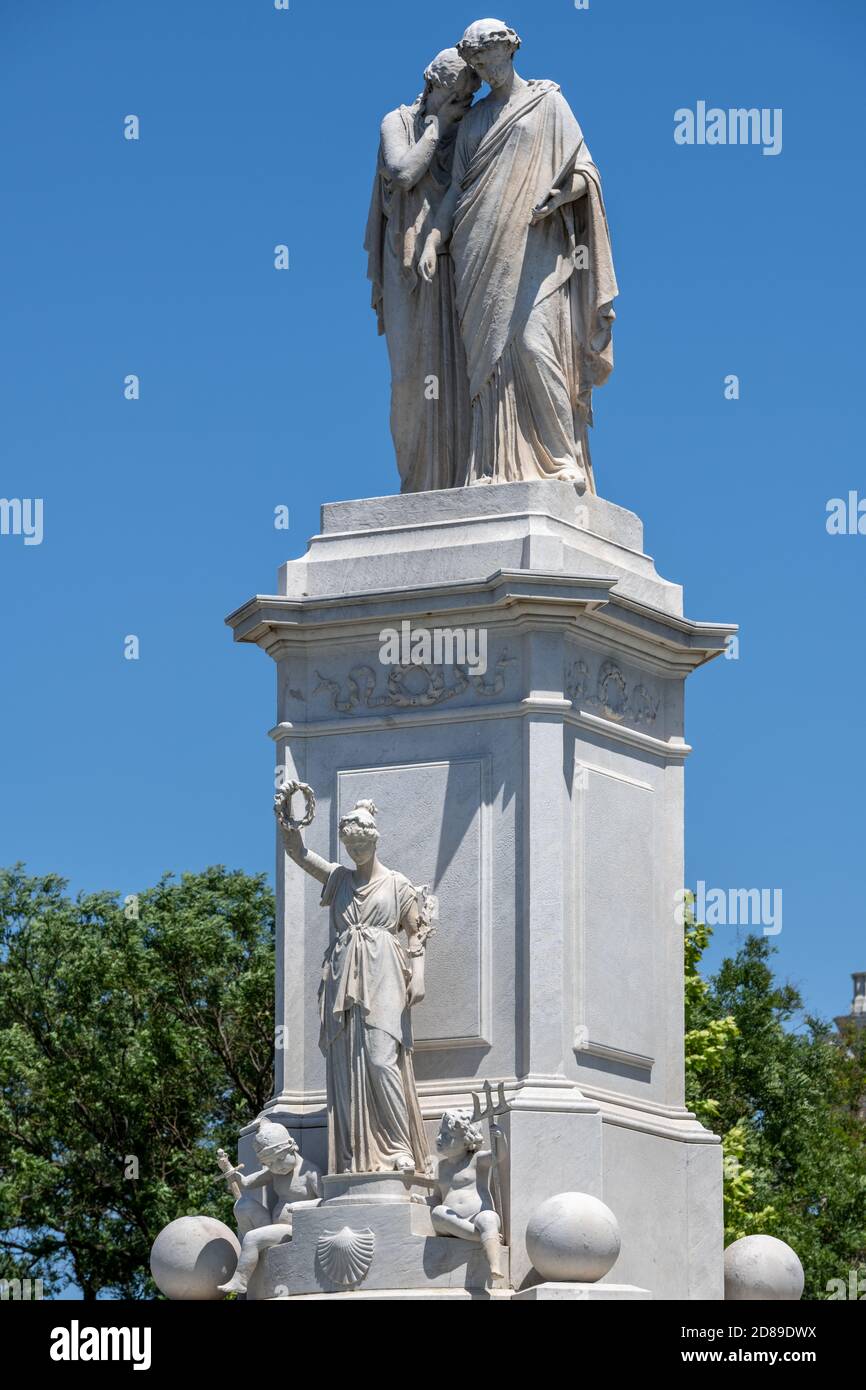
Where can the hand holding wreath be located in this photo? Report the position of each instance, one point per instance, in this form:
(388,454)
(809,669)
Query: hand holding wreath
(289,824)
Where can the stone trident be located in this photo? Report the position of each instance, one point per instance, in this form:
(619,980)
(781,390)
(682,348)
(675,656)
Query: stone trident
(489,1111)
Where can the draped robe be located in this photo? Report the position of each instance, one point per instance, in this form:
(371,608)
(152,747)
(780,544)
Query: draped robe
(366,1027)
(536,327)
(429,419)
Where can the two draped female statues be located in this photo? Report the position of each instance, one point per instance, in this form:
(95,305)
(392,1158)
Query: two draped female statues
(493,281)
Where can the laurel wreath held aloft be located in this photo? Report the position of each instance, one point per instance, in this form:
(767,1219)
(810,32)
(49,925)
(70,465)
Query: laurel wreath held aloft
(283,805)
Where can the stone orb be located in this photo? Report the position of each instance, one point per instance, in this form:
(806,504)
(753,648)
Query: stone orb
(762,1267)
(573,1238)
(192,1255)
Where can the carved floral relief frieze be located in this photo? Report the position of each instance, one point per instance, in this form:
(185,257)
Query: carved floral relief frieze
(410,685)
(609,694)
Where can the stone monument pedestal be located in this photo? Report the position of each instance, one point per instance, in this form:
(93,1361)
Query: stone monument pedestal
(370,1236)
(541,798)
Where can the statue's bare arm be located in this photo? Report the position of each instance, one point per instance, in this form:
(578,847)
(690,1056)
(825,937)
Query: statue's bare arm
(246,1180)
(407,164)
(411,923)
(575,188)
(440,234)
(311,863)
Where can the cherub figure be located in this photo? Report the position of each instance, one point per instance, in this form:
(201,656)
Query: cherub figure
(466,1206)
(291,1182)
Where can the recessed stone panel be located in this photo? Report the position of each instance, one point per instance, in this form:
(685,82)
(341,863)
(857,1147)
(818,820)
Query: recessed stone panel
(434,825)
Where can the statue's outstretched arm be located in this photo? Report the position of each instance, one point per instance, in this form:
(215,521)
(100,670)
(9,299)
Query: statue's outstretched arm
(247,1180)
(313,864)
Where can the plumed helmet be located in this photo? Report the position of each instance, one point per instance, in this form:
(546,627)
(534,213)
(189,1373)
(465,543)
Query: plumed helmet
(274,1146)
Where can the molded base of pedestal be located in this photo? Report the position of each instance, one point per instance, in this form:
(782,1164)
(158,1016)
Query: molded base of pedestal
(388,1247)
(595,1293)
(345,1188)
(401,1295)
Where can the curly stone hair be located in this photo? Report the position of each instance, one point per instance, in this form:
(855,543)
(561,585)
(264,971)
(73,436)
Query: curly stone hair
(445,70)
(461,1122)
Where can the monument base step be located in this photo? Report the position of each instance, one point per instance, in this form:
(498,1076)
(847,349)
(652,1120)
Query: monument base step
(401,1295)
(371,1237)
(594,1293)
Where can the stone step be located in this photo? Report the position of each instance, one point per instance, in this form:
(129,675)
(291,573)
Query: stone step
(370,1248)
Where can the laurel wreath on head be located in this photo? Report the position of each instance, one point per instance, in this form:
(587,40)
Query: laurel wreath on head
(283,805)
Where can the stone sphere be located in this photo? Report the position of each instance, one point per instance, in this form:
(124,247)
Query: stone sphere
(192,1255)
(762,1267)
(573,1238)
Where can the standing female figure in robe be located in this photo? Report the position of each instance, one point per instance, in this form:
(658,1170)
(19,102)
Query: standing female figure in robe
(370,981)
(525,225)
(429,385)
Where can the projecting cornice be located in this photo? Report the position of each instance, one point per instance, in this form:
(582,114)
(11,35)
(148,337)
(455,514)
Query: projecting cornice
(507,597)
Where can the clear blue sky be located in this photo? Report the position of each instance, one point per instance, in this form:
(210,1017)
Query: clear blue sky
(260,388)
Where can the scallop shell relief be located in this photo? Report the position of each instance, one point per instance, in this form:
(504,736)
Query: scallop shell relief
(345,1256)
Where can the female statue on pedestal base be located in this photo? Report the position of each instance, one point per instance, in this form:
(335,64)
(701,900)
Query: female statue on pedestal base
(370,980)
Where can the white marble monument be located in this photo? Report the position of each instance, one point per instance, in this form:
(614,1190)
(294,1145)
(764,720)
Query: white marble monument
(492,660)
(542,802)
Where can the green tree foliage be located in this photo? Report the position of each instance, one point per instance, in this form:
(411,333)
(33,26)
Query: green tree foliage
(786,1095)
(135,1038)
